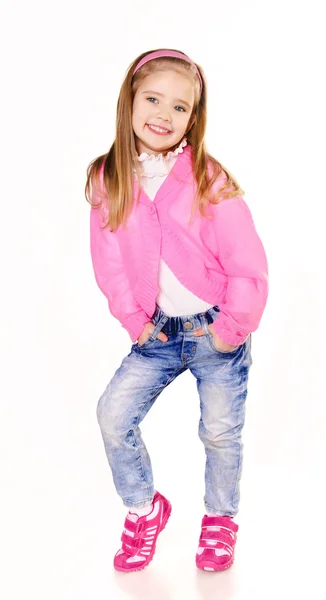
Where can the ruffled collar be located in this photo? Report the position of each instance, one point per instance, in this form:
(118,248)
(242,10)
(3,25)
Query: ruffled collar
(153,165)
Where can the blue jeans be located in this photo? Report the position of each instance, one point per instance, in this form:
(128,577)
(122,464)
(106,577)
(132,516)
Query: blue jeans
(143,374)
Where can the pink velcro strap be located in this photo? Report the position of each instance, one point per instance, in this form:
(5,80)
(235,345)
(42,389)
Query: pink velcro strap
(219,536)
(227,548)
(219,522)
(134,527)
(132,542)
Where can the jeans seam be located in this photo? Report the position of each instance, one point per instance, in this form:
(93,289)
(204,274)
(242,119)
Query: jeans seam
(211,510)
(167,383)
(138,421)
(139,504)
(237,476)
(140,458)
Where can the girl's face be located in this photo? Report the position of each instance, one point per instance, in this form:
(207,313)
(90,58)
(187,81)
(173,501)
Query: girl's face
(161,110)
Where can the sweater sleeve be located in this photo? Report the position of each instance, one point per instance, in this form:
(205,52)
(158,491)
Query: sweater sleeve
(243,258)
(111,277)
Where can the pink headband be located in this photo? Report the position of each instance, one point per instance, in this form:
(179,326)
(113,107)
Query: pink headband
(173,54)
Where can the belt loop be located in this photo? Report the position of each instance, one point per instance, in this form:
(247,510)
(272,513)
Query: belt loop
(204,323)
(159,326)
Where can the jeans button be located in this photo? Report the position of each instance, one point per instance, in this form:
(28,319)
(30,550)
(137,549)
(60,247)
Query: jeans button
(188,325)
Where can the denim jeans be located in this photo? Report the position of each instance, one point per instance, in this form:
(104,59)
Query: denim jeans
(222,387)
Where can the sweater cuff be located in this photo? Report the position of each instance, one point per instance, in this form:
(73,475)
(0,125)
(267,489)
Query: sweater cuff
(135,324)
(229,331)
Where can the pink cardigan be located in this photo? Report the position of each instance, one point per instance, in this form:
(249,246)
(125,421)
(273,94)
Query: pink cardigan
(220,260)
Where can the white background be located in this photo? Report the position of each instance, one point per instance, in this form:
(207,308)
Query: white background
(62,67)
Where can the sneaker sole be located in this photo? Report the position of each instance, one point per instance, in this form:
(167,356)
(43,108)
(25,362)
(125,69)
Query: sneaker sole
(211,566)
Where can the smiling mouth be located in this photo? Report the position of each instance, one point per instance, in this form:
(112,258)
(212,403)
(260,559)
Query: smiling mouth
(159,130)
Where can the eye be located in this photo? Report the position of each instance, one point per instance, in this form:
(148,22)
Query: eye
(181,107)
(151,98)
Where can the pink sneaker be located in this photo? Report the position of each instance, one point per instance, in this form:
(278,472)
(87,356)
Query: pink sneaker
(216,546)
(138,550)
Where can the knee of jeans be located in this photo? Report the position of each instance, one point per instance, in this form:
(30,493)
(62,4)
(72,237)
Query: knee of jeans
(112,421)
(105,419)
(215,433)
(204,435)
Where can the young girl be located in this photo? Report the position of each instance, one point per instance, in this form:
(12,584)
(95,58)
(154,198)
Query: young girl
(176,253)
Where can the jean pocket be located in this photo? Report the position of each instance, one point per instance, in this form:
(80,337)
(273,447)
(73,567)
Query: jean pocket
(210,338)
(149,341)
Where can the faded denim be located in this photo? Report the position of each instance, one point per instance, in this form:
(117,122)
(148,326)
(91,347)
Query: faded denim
(222,379)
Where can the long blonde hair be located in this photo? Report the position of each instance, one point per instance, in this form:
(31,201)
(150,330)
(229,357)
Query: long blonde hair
(118,164)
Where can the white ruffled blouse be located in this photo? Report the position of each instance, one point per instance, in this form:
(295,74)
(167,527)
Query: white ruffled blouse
(155,169)
(173,298)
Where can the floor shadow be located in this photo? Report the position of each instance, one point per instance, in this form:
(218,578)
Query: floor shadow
(143,585)
(216,586)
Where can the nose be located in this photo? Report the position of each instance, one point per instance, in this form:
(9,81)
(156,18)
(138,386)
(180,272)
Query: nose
(164,113)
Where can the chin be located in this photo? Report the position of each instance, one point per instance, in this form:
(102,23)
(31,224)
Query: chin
(156,147)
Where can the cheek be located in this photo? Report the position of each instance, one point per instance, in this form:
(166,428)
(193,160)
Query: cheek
(137,117)
(140,113)
(183,121)
(134,121)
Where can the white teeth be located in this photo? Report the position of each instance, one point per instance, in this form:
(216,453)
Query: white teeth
(159,129)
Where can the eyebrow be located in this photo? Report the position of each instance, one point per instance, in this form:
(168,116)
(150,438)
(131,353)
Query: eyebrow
(162,95)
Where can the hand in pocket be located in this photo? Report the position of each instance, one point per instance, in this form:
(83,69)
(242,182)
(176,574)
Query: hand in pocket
(147,331)
(218,342)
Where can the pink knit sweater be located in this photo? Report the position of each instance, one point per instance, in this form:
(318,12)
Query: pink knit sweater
(220,260)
